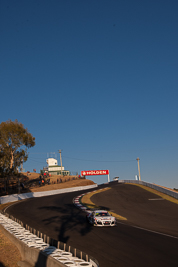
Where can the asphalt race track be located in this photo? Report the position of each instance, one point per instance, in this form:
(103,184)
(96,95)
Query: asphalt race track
(123,245)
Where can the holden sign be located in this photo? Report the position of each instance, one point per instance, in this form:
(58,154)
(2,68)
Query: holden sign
(96,172)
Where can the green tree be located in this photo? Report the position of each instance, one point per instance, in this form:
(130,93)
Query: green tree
(14,142)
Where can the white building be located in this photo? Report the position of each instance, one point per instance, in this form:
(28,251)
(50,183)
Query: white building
(54,168)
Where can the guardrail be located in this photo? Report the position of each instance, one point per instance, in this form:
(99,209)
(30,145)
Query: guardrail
(156,187)
(16,197)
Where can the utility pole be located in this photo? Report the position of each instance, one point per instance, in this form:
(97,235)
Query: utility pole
(60,160)
(139,177)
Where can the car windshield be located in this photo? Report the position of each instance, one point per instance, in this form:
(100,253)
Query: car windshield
(102,214)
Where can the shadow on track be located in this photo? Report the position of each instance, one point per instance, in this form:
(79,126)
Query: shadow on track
(65,219)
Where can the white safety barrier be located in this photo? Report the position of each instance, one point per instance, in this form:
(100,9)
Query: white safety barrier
(156,187)
(16,197)
(33,241)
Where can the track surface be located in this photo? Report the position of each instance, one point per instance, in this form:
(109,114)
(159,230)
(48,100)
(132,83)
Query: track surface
(123,245)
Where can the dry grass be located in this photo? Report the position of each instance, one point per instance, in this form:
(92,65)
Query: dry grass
(9,254)
(68,184)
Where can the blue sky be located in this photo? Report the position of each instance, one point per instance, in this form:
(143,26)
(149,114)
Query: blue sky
(96,79)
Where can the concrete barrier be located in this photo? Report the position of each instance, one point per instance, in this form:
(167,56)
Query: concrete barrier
(31,256)
(37,249)
(16,197)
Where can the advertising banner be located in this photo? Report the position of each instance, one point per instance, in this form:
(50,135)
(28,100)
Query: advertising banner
(96,172)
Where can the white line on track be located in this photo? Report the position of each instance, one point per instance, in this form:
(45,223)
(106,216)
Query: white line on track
(147,230)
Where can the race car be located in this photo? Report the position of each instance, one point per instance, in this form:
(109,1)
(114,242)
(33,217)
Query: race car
(101,218)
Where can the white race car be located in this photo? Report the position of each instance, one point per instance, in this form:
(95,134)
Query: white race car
(101,218)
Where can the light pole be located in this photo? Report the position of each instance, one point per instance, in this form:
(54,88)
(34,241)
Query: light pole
(139,177)
(60,160)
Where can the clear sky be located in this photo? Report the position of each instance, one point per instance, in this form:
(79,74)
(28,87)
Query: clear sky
(97,79)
